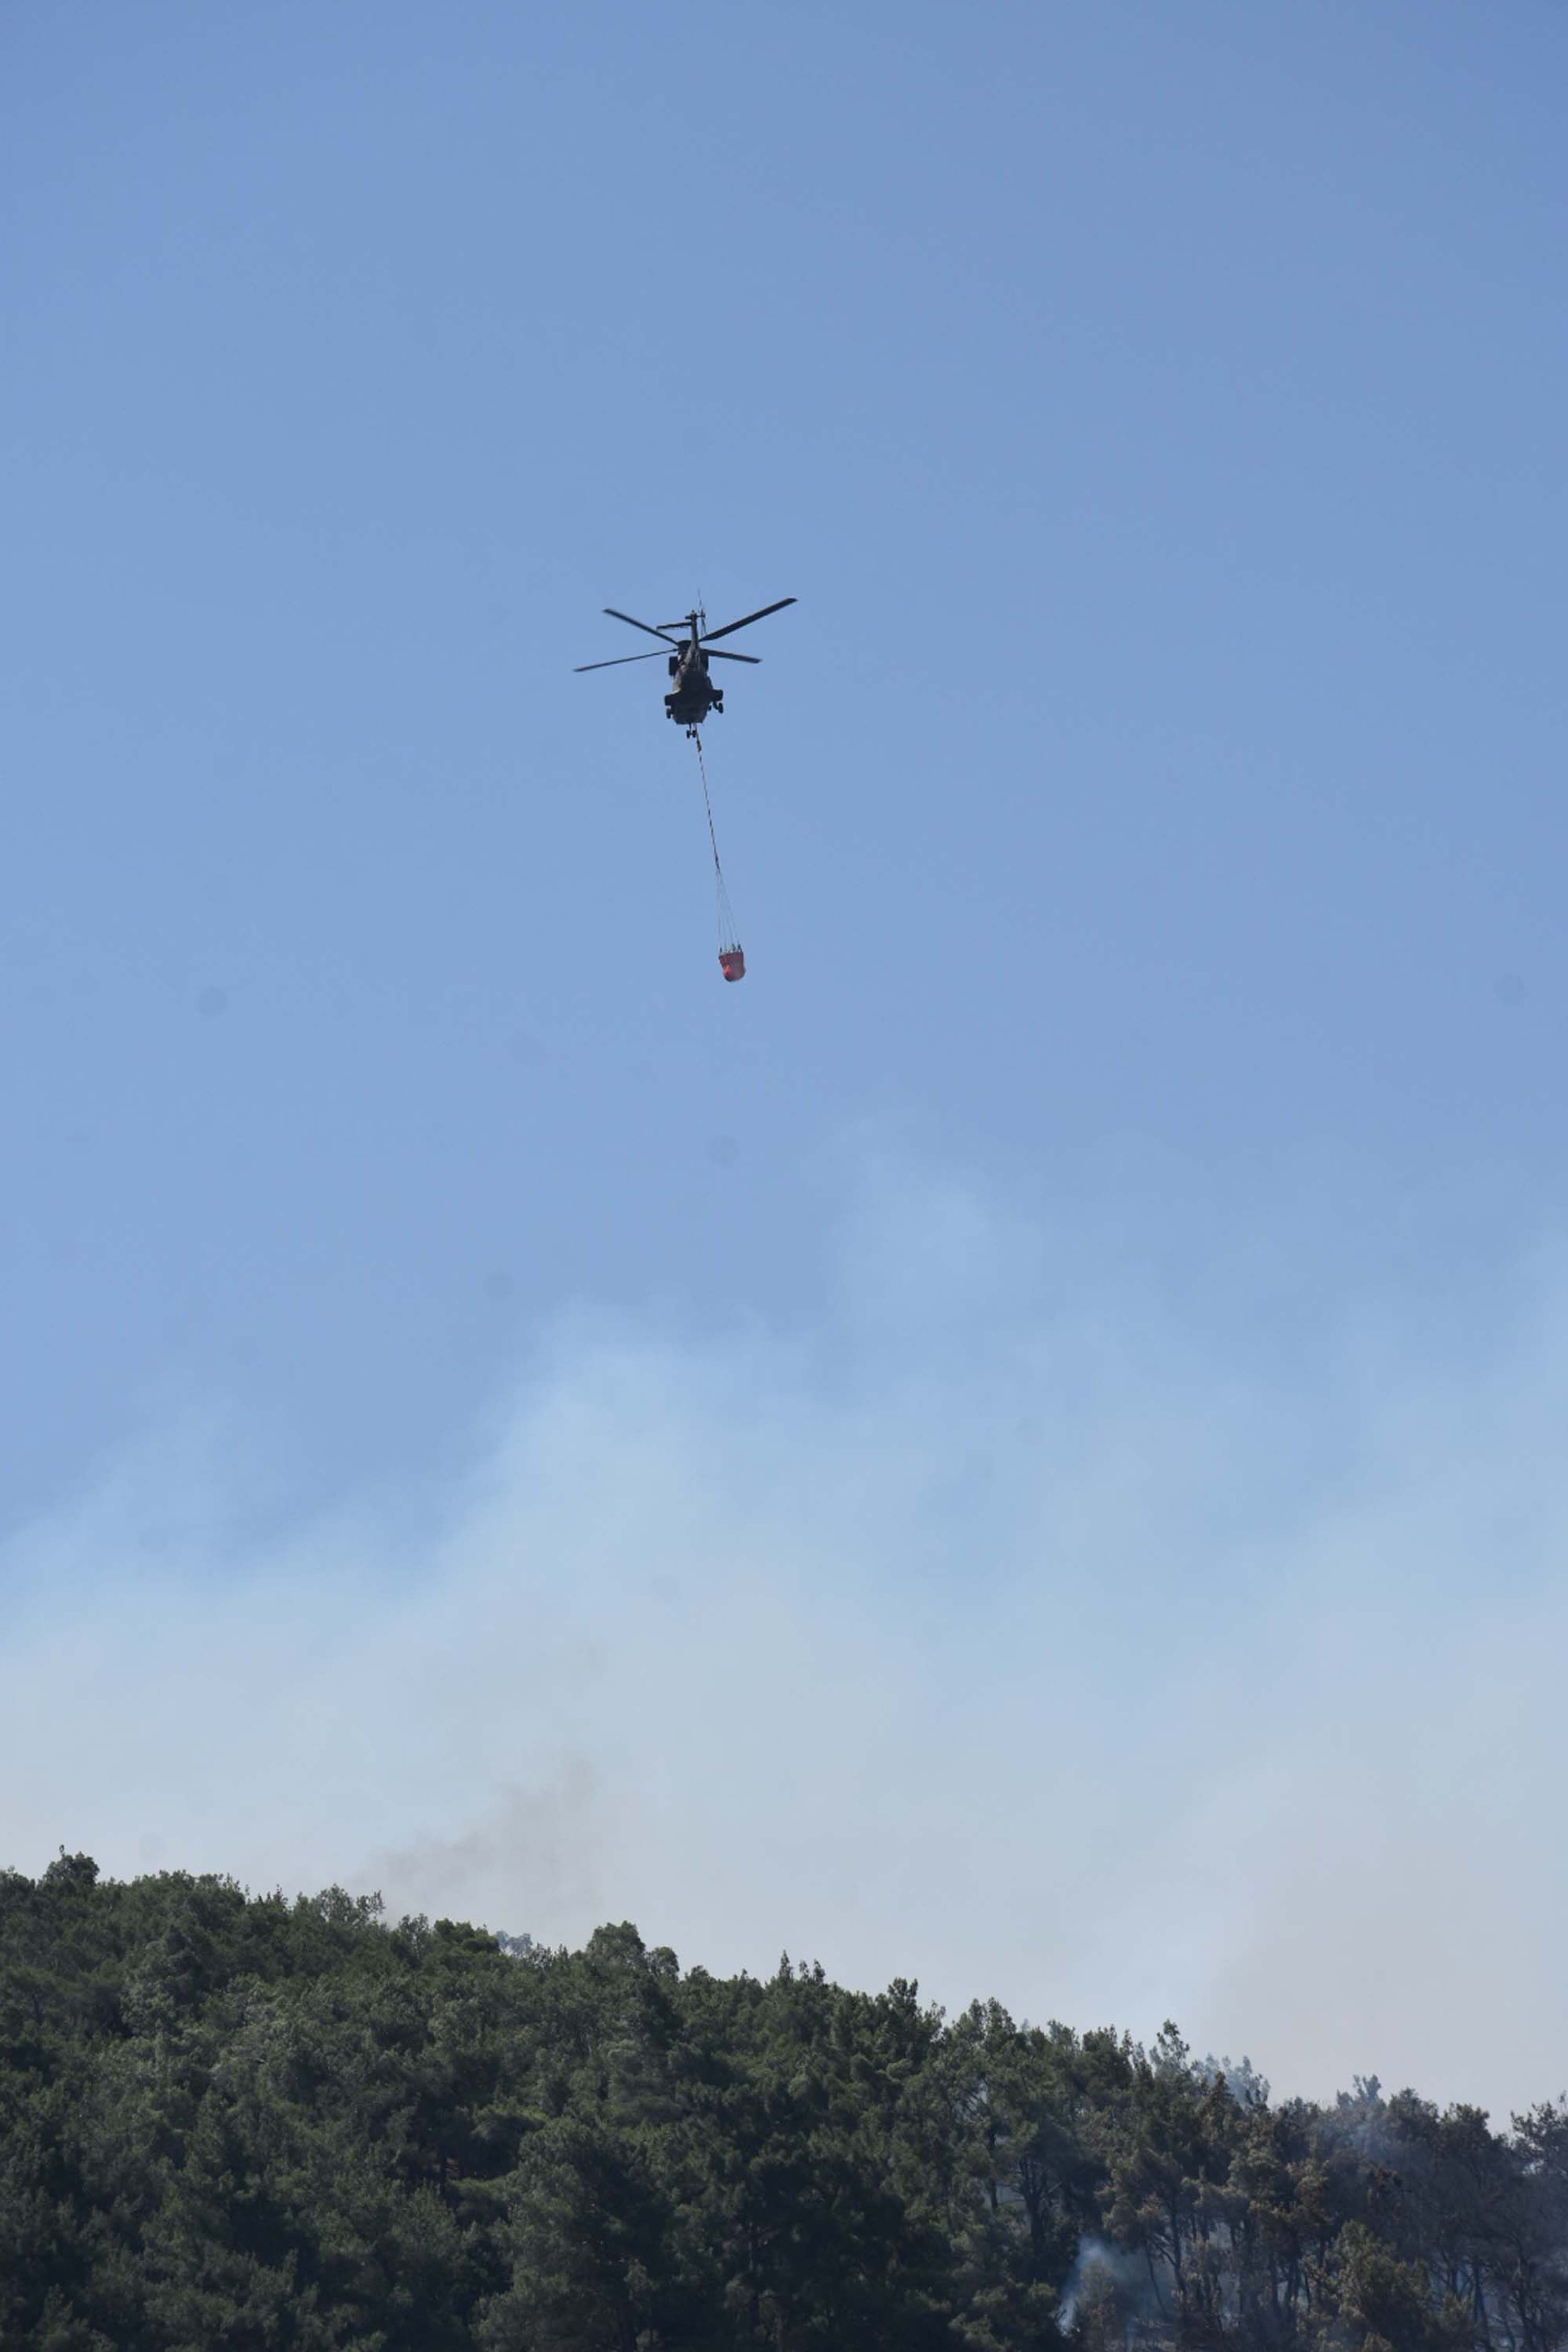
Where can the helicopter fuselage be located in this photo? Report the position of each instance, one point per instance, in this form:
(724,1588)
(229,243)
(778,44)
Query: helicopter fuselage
(692,693)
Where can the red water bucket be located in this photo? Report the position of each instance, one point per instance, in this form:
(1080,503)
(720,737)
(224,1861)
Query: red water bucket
(732,963)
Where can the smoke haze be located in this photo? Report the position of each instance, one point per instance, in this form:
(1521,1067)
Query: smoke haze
(986,1634)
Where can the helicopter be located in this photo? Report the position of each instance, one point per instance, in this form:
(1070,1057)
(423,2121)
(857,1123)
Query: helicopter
(692,693)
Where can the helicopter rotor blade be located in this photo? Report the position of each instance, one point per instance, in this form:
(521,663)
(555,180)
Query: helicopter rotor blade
(620,662)
(639,625)
(755,660)
(729,627)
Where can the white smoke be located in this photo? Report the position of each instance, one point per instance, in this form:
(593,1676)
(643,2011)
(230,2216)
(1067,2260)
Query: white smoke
(993,1637)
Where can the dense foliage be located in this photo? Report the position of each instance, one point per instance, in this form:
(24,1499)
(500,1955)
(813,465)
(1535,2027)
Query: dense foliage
(237,2123)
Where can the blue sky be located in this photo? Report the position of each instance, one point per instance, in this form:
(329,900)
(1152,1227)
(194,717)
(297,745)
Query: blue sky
(1146,832)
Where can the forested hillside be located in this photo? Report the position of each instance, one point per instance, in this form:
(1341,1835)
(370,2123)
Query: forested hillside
(245,2123)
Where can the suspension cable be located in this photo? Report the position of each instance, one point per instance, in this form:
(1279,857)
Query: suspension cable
(708,804)
(724,914)
(732,961)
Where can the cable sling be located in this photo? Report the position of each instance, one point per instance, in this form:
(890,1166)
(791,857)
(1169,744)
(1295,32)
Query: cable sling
(731,956)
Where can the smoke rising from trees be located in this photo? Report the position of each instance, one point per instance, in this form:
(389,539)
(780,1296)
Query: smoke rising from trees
(232,2121)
